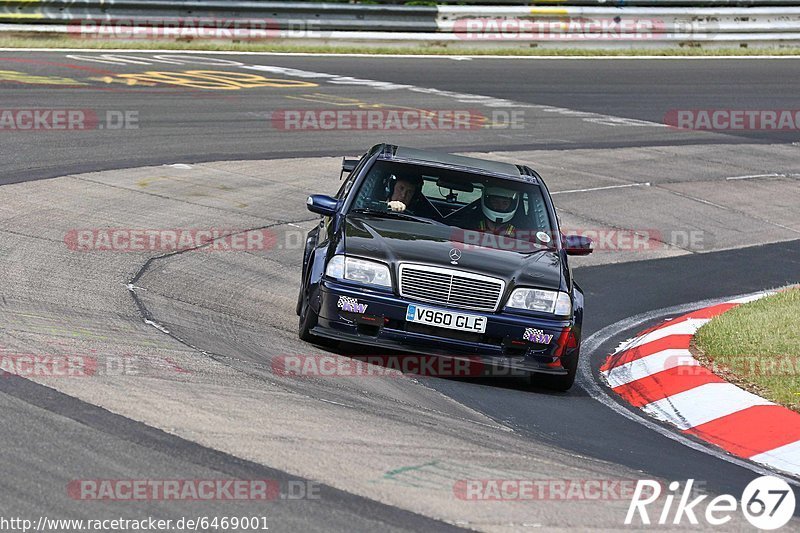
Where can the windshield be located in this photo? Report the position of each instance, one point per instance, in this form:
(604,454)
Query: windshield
(467,201)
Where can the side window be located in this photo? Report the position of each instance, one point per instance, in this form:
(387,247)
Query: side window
(537,211)
(374,186)
(348,181)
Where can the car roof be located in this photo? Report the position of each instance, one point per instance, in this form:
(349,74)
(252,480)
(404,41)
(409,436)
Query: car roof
(474,164)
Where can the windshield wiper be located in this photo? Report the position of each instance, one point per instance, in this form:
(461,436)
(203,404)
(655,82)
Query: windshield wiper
(390,214)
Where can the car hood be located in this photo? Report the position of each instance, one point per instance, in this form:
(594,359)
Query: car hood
(393,241)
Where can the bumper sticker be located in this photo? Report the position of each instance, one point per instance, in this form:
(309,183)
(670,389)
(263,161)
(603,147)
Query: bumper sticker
(351,304)
(536,335)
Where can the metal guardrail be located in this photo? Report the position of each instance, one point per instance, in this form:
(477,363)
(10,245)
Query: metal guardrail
(469,25)
(325,16)
(480,22)
(428,4)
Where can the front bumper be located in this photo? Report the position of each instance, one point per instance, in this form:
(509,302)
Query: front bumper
(362,316)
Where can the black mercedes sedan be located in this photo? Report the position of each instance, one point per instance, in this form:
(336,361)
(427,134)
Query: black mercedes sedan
(448,256)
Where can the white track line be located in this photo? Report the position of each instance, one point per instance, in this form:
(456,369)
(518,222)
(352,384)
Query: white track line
(644,184)
(754,176)
(750,297)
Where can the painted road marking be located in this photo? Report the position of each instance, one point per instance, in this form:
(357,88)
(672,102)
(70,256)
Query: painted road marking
(31,79)
(214,79)
(607,187)
(754,176)
(335,79)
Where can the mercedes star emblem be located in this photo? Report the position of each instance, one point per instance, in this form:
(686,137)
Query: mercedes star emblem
(455,255)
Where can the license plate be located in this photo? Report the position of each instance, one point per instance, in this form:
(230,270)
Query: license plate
(446,319)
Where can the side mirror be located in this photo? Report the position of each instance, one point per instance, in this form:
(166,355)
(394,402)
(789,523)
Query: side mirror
(577,244)
(322,205)
(348,166)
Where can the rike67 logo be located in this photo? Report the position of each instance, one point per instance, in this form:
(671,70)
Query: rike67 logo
(767,502)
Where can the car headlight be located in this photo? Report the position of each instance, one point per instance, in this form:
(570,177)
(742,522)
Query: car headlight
(555,302)
(360,270)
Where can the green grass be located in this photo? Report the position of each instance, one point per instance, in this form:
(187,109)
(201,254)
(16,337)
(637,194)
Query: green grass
(58,41)
(757,345)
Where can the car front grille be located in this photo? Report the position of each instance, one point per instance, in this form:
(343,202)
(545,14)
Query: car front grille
(445,286)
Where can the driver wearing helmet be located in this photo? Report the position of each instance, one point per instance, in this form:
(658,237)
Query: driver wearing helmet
(499,205)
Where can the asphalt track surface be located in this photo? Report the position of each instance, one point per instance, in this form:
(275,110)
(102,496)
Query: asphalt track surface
(51,436)
(201,125)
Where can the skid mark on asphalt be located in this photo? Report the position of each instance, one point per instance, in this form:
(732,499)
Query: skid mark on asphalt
(53,324)
(443,474)
(167,197)
(203,190)
(48,334)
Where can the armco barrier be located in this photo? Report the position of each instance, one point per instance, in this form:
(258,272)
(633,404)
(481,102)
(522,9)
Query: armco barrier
(660,23)
(325,16)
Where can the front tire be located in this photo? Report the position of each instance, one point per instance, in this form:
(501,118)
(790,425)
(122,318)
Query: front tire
(308,318)
(299,307)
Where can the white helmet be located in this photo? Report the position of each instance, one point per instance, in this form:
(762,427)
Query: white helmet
(500,217)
